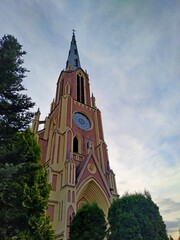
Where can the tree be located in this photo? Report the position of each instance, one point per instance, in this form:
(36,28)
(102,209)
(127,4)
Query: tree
(14,105)
(88,223)
(24,191)
(135,217)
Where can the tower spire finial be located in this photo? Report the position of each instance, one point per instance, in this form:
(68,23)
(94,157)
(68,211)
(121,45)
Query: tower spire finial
(73,60)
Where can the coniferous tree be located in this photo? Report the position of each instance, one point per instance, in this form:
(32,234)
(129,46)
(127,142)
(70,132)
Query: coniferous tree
(88,223)
(14,105)
(135,217)
(24,190)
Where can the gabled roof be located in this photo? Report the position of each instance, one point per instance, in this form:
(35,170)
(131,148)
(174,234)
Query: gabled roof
(89,168)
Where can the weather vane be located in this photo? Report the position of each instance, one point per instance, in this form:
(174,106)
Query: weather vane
(73,31)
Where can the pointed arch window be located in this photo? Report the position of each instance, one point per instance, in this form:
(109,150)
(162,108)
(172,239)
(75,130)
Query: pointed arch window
(75,145)
(75,51)
(80,89)
(61,87)
(69,196)
(76,62)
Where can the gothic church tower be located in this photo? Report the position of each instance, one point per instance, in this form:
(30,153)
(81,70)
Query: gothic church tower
(74,151)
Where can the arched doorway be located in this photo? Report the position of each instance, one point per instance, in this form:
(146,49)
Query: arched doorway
(91,191)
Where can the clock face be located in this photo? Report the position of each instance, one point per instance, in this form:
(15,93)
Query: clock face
(81,121)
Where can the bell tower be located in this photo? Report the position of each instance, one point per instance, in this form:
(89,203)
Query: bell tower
(74,151)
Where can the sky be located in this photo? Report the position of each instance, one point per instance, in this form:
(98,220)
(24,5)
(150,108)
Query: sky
(131,51)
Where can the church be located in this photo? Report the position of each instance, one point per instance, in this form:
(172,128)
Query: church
(74,150)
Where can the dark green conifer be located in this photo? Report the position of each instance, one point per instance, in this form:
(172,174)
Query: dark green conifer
(14,104)
(24,190)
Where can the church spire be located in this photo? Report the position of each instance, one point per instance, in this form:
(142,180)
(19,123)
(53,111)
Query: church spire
(73,60)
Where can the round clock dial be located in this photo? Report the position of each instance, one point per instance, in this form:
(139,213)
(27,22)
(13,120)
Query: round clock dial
(81,121)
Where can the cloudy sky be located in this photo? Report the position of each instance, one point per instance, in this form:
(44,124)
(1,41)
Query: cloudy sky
(131,50)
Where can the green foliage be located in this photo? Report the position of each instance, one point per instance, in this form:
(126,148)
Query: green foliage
(14,105)
(89,223)
(23,191)
(135,217)
(27,150)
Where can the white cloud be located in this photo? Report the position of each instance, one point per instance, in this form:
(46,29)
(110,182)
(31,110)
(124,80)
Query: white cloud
(131,50)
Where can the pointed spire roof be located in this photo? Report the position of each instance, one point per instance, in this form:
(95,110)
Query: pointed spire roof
(73,60)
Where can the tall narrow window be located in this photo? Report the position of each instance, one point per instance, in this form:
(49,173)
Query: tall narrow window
(50,212)
(61,87)
(61,180)
(69,196)
(80,89)
(75,145)
(54,182)
(76,62)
